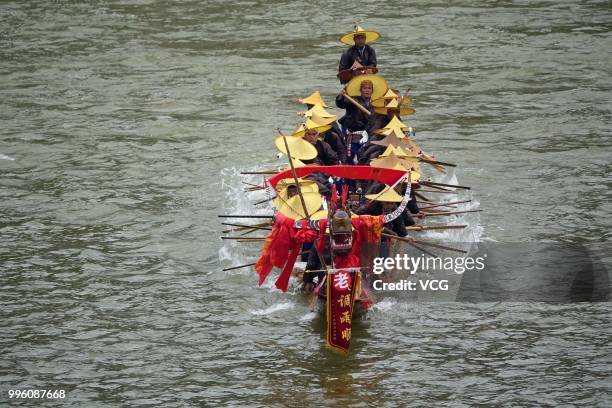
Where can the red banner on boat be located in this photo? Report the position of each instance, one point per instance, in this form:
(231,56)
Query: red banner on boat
(386,176)
(341,287)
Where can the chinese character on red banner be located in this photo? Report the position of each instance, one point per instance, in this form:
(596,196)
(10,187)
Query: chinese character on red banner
(344,300)
(345,318)
(346,334)
(342,281)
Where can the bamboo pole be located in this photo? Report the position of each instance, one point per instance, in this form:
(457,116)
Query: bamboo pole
(448,213)
(435,227)
(245,238)
(295,177)
(357,104)
(263,201)
(251,184)
(440,163)
(247,265)
(434,187)
(433,184)
(451,204)
(422,197)
(260,172)
(423,250)
(413,241)
(430,211)
(243,227)
(244,216)
(438,191)
(247,232)
(238,267)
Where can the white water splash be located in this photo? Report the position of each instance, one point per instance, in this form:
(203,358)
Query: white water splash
(5,157)
(308,317)
(385,305)
(272,309)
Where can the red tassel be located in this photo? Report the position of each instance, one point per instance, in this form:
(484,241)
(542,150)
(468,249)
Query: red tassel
(344,195)
(333,204)
(282,282)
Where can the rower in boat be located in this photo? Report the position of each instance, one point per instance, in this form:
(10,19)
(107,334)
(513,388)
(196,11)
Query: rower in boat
(384,200)
(361,90)
(333,136)
(399,159)
(385,110)
(389,106)
(311,132)
(360,58)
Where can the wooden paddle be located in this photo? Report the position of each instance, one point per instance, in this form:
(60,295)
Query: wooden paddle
(433,184)
(244,216)
(435,227)
(357,104)
(413,241)
(451,204)
(449,213)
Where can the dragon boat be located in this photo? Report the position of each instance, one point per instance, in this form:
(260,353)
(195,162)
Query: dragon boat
(316,207)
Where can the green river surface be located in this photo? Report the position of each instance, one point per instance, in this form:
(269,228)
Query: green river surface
(124,126)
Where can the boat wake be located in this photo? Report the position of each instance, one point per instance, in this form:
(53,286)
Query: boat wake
(272,309)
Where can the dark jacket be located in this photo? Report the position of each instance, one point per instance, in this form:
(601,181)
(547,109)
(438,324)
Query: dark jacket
(369,152)
(412,206)
(334,139)
(314,263)
(354,119)
(326,156)
(367,59)
(377,121)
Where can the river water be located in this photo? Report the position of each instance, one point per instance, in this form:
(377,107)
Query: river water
(124,126)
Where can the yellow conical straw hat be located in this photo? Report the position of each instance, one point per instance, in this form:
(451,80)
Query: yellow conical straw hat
(391,162)
(389,95)
(305,184)
(397,151)
(319,111)
(323,120)
(380,87)
(283,197)
(381,102)
(412,147)
(292,207)
(405,153)
(298,147)
(309,124)
(397,132)
(371,36)
(388,195)
(313,99)
(320,116)
(394,104)
(391,139)
(395,123)
(319,215)
(388,151)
